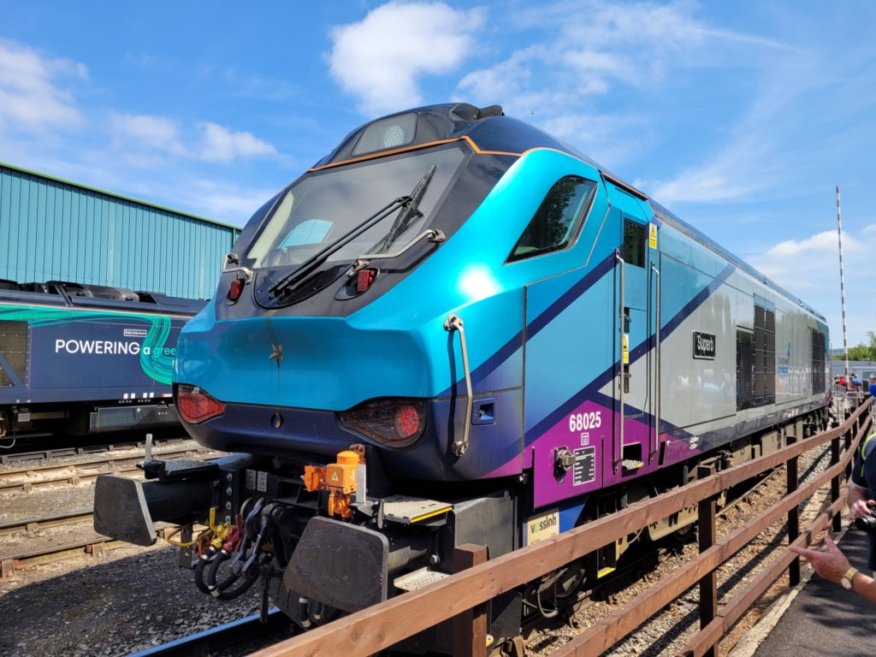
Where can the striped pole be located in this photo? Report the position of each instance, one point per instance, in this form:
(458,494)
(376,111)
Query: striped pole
(839,233)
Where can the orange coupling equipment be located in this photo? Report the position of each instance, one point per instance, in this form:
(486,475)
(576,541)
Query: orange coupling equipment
(341,479)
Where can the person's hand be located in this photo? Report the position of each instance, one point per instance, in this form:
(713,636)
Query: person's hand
(830,564)
(862,508)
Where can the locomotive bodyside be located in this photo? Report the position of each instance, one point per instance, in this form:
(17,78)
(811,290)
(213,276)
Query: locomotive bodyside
(514,344)
(86,359)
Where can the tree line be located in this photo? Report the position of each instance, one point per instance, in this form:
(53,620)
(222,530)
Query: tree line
(861,351)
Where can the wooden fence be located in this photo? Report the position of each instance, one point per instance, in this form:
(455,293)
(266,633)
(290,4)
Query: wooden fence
(462,597)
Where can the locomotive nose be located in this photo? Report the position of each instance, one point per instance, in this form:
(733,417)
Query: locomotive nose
(312,363)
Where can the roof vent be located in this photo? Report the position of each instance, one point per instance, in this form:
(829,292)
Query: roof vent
(467,112)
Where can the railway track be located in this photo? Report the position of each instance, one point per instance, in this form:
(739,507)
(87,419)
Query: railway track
(46,446)
(242,636)
(74,473)
(37,535)
(29,525)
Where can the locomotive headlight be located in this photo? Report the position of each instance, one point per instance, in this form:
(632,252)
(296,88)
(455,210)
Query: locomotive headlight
(393,422)
(195,405)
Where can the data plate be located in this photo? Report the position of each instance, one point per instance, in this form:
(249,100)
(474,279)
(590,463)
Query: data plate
(584,465)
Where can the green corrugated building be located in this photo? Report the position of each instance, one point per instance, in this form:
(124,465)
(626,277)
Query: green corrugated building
(54,229)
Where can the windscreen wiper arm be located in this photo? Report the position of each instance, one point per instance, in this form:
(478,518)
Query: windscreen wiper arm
(408,212)
(317,259)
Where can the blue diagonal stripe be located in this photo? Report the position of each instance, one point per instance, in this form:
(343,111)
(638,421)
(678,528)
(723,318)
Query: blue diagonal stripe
(641,349)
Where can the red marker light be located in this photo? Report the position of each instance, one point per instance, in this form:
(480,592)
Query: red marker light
(393,422)
(364,279)
(236,289)
(195,405)
(407,422)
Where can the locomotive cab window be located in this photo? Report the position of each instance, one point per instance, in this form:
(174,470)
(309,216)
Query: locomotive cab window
(558,220)
(323,207)
(634,243)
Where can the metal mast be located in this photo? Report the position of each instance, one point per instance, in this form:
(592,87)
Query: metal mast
(839,234)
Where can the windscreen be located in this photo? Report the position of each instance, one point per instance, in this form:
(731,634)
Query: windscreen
(325,206)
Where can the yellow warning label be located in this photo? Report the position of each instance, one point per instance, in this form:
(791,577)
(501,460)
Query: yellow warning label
(652,235)
(335,476)
(626,347)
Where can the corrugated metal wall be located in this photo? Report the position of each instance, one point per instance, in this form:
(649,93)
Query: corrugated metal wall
(51,229)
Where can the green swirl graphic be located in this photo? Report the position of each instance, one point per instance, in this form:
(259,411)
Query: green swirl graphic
(155,361)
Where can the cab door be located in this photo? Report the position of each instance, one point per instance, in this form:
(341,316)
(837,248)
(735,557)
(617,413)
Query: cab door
(637,306)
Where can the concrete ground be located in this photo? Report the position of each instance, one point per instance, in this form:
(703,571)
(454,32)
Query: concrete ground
(823,619)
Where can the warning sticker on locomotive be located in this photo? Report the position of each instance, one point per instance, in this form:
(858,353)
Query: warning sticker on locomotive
(543,526)
(583,465)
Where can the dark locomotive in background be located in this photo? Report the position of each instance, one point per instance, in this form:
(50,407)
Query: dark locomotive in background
(86,358)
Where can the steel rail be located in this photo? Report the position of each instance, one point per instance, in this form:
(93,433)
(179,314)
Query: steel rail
(102,460)
(249,630)
(44,522)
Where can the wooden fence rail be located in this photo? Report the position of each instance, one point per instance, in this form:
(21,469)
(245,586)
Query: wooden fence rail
(460,596)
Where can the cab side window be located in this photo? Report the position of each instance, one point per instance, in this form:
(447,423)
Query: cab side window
(558,219)
(634,243)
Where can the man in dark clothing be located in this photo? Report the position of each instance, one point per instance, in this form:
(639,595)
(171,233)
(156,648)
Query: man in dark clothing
(861,497)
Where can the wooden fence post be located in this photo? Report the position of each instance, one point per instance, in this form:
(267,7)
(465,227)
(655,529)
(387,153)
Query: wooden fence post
(837,522)
(794,513)
(470,627)
(707,529)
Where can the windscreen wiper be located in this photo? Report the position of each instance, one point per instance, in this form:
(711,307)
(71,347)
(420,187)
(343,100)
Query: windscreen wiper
(317,259)
(408,205)
(408,213)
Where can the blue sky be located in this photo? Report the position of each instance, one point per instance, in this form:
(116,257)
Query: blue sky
(739,116)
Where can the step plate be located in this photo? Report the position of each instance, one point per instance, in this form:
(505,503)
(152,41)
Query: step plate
(418,579)
(411,510)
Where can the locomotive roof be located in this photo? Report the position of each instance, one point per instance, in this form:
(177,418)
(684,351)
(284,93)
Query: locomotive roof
(668,217)
(487,129)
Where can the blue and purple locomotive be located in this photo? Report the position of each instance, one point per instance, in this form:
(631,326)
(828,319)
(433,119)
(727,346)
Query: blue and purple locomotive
(456,329)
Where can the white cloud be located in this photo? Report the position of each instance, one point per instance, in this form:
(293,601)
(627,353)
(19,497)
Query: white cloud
(788,255)
(145,139)
(379,59)
(30,97)
(810,265)
(226,202)
(734,172)
(581,53)
(219,144)
(593,47)
(506,79)
(809,268)
(644,59)
(151,133)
